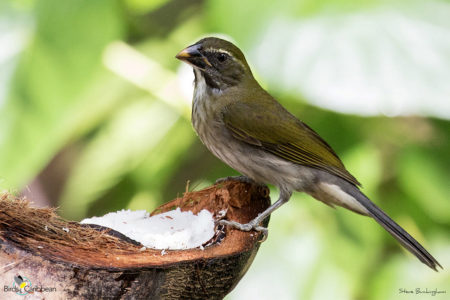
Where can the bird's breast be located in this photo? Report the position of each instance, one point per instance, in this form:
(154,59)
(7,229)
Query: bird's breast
(248,160)
(207,122)
(205,118)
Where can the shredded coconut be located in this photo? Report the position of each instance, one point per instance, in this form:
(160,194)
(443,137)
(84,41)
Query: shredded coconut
(170,230)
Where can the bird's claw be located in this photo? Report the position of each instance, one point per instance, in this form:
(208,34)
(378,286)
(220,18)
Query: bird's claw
(264,231)
(247,227)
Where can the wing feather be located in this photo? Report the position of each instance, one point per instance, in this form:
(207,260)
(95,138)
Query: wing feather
(283,135)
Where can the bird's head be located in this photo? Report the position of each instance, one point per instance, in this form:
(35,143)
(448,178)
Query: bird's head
(221,63)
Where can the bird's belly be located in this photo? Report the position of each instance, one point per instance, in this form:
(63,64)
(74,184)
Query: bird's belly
(257,164)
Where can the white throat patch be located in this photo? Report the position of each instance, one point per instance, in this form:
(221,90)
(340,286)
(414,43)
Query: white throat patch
(201,88)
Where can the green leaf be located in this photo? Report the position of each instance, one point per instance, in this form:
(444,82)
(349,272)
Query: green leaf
(426,181)
(371,58)
(116,150)
(54,74)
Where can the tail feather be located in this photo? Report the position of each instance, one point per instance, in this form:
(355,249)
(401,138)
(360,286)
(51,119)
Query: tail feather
(395,230)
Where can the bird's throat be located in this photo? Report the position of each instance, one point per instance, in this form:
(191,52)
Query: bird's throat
(209,81)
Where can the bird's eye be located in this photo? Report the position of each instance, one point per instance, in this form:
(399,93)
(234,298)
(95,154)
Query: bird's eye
(221,57)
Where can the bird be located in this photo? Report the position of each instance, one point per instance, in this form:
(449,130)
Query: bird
(246,128)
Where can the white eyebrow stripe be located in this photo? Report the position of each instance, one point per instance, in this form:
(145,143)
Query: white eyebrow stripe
(219,51)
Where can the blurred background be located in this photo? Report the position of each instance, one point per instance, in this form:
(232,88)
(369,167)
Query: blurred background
(95,117)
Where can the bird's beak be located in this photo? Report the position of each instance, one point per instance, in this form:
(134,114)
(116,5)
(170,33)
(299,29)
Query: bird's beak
(194,57)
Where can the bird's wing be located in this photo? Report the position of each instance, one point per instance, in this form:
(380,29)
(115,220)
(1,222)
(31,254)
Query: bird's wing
(270,127)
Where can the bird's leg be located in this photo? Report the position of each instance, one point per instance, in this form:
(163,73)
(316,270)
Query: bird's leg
(240,178)
(254,224)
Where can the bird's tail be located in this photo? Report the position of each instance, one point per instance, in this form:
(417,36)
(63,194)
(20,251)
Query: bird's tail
(395,230)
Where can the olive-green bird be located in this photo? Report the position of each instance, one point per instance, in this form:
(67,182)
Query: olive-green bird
(244,126)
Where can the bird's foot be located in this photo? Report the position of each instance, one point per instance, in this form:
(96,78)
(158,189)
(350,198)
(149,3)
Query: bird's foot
(240,178)
(247,227)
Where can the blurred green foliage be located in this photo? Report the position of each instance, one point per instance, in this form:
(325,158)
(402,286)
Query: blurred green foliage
(95,117)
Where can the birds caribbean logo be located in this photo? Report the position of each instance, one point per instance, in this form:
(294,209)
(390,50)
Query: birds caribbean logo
(245,127)
(21,283)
